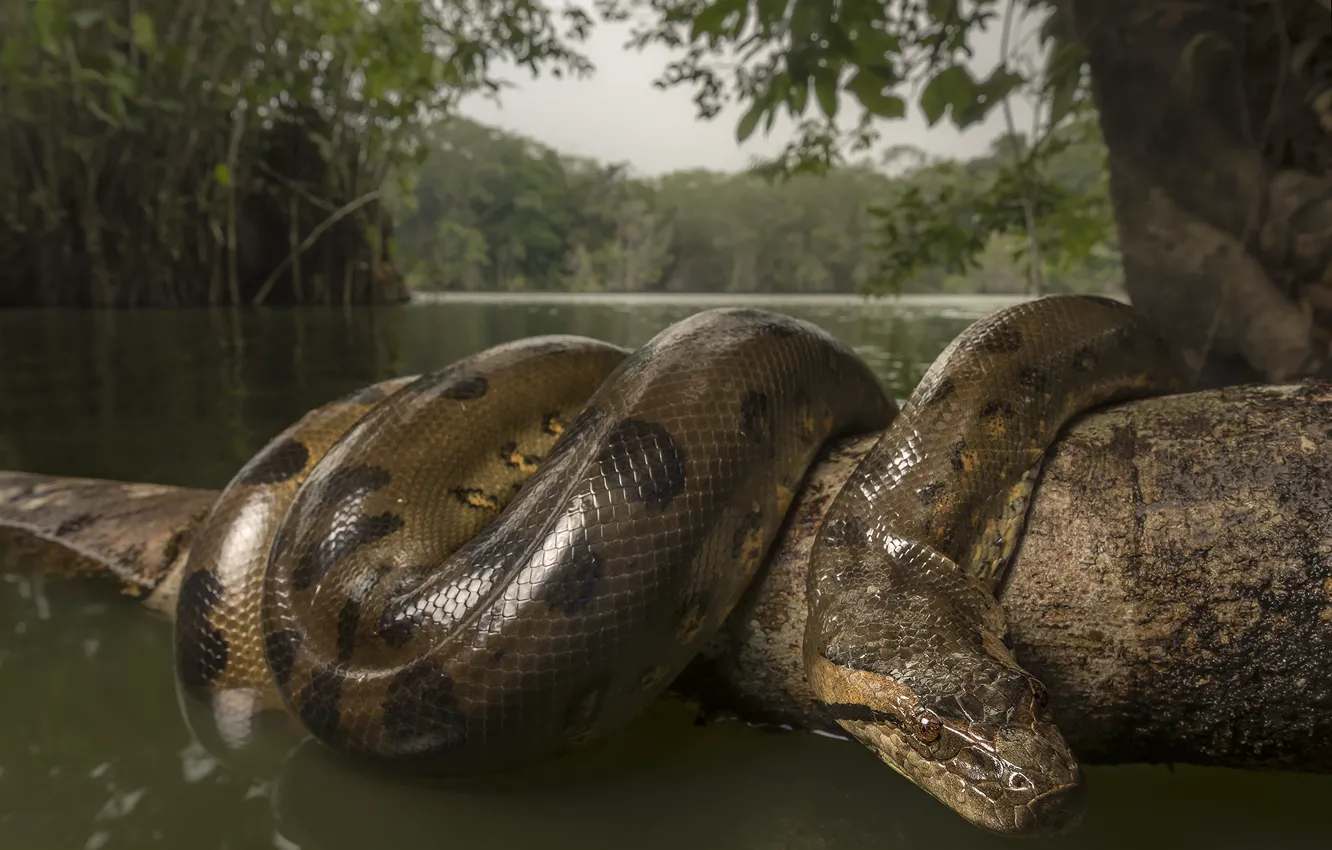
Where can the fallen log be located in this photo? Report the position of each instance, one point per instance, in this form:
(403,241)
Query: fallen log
(1173,589)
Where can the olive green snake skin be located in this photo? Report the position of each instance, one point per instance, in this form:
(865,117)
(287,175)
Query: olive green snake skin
(511,556)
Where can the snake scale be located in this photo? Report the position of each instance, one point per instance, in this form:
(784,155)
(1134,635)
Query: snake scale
(511,556)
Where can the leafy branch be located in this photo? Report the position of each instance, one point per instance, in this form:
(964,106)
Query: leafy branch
(806,59)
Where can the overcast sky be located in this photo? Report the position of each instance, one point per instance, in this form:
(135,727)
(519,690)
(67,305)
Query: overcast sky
(617,116)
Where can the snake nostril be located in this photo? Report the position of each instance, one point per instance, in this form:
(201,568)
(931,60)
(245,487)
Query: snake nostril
(1019,782)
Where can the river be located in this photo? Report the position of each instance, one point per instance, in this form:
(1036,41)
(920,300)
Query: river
(94,752)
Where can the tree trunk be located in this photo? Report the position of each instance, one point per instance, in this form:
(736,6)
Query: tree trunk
(1218,120)
(1173,589)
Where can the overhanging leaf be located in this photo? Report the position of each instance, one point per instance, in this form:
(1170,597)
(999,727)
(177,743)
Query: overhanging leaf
(750,120)
(951,87)
(942,11)
(869,90)
(984,97)
(825,88)
(710,20)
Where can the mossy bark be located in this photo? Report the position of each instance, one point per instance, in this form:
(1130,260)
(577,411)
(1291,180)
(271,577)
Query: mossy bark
(1218,119)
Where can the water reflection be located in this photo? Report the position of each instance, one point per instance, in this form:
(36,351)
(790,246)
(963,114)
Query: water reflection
(185,397)
(95,753)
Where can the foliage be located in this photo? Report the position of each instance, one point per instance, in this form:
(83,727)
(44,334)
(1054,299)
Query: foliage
(951,211)
(193,153)
(492,211)
(772,56)
(164,152)
(806,58)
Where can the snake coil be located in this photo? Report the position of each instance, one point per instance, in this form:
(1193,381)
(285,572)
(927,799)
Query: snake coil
(511,556)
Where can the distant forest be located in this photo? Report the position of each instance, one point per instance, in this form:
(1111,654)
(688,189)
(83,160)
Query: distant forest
(492,211)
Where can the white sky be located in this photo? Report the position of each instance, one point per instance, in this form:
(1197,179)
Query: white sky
(617,116)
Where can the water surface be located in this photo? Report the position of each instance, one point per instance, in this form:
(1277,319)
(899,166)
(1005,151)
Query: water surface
(94,752)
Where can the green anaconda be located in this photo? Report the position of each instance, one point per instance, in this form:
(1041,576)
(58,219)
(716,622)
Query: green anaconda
(511,556)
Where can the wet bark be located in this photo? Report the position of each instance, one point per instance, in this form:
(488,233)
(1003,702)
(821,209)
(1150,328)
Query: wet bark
(1173,588)
(1218,120)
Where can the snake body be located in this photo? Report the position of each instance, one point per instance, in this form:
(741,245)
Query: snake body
(511,556)
(905,638)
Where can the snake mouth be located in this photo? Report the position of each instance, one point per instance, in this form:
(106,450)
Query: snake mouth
(1053,812)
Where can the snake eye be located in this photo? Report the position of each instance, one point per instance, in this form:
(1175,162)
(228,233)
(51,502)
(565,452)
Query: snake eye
(928,727)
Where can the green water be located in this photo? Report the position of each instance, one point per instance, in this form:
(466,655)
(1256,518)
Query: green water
(94,752)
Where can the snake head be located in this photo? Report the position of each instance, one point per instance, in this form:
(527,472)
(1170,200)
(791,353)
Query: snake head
(979,737)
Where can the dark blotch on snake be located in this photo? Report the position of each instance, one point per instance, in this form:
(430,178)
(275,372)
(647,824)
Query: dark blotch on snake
(201,652)
(319,704)
(755,417)
(465,388)
(349,617)
(1084,359)
(326,554)
(752,523)
(275,464)
(280,649)
(694,607)
(473,497)
(353,482)
(642,459)
(1032,379)
(402,616)
(955,455)
(420,711)
(514,459)
(937,393)
(997,408)
(808,430)
(574,584)
(996,339)
(929,494)
(396,627)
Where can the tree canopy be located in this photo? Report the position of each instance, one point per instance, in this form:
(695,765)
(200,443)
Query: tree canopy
(165,152)
(493,211)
